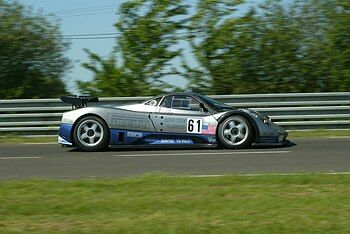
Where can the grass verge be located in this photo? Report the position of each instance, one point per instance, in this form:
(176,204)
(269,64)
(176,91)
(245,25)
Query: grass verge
(319,133)
(14,139)
(162,204)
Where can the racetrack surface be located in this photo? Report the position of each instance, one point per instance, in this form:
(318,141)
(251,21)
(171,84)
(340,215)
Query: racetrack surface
(53,161)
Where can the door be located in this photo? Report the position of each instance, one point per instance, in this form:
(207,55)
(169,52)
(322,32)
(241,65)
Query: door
(179,114)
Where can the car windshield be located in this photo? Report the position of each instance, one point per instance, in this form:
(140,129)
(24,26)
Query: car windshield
(214,103)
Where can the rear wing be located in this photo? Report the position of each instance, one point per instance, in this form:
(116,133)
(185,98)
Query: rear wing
(78,101)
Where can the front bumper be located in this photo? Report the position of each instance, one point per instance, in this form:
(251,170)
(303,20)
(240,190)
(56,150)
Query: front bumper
(278,137)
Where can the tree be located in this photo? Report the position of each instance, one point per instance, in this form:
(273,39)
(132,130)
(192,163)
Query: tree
(213,41)
(276,46)
(145,48)
(300,47)
(338,52)
(110,79)
(32,60)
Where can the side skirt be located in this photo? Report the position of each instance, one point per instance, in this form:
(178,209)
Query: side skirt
(185,146)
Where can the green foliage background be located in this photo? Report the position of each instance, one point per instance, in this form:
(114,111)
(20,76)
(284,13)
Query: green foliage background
(32,61)
(275,46)
(302,46)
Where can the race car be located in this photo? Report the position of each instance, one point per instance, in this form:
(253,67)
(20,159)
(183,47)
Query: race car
(165,120)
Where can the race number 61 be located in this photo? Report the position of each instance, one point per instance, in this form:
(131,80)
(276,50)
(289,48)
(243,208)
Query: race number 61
(194,125)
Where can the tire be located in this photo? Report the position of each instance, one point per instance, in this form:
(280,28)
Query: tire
(91,133)
(235,132)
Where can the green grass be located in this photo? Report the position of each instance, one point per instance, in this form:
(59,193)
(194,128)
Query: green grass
(14,139)
(163,204)
(319,133)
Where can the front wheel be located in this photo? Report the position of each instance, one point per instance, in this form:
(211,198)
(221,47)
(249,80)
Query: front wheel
(91,134)
(235,132)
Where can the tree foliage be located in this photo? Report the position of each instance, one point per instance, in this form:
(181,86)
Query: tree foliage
(302,47)
(276,46)
(110,79)
(146,46)
(32,60)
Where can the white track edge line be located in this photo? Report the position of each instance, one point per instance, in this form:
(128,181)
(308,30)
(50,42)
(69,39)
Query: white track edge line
(203,153)
(338,137)
(6,158)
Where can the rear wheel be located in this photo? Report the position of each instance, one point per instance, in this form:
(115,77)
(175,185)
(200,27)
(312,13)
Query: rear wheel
(91,134)
(235,132)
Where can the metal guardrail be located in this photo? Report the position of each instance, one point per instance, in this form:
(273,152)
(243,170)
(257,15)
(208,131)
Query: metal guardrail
(293,111)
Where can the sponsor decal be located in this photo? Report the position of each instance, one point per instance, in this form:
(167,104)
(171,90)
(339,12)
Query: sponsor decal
(169,141)
(184,141)
(179,127)
(208,128)
(171,123)
(212,139)
(134,134)
(130,122)
(174,120)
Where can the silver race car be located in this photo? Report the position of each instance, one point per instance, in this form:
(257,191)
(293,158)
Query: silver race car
(170,119)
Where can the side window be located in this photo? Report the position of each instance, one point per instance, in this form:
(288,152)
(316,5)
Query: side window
(194,106)
(167,101)
(181,102)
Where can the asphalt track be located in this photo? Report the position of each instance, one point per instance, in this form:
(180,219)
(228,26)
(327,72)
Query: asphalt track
(53,161)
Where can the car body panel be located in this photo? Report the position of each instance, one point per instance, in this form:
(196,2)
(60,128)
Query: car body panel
(150,124)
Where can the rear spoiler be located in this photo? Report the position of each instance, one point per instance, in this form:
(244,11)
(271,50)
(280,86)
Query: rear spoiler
(78,101)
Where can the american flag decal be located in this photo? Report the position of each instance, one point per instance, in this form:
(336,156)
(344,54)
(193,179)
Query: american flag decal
(208,129)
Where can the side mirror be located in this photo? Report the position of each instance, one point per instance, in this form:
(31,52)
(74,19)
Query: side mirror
(201,105)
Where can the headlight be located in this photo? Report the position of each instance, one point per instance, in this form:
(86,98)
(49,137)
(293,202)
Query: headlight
(280,138)
(252,112)
(256,114)
(266,119)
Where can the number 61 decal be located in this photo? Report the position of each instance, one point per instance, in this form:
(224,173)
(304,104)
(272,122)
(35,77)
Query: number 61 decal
(194,125)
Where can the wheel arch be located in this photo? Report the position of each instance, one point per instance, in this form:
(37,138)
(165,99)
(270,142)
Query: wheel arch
(83,116)
(246,116)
